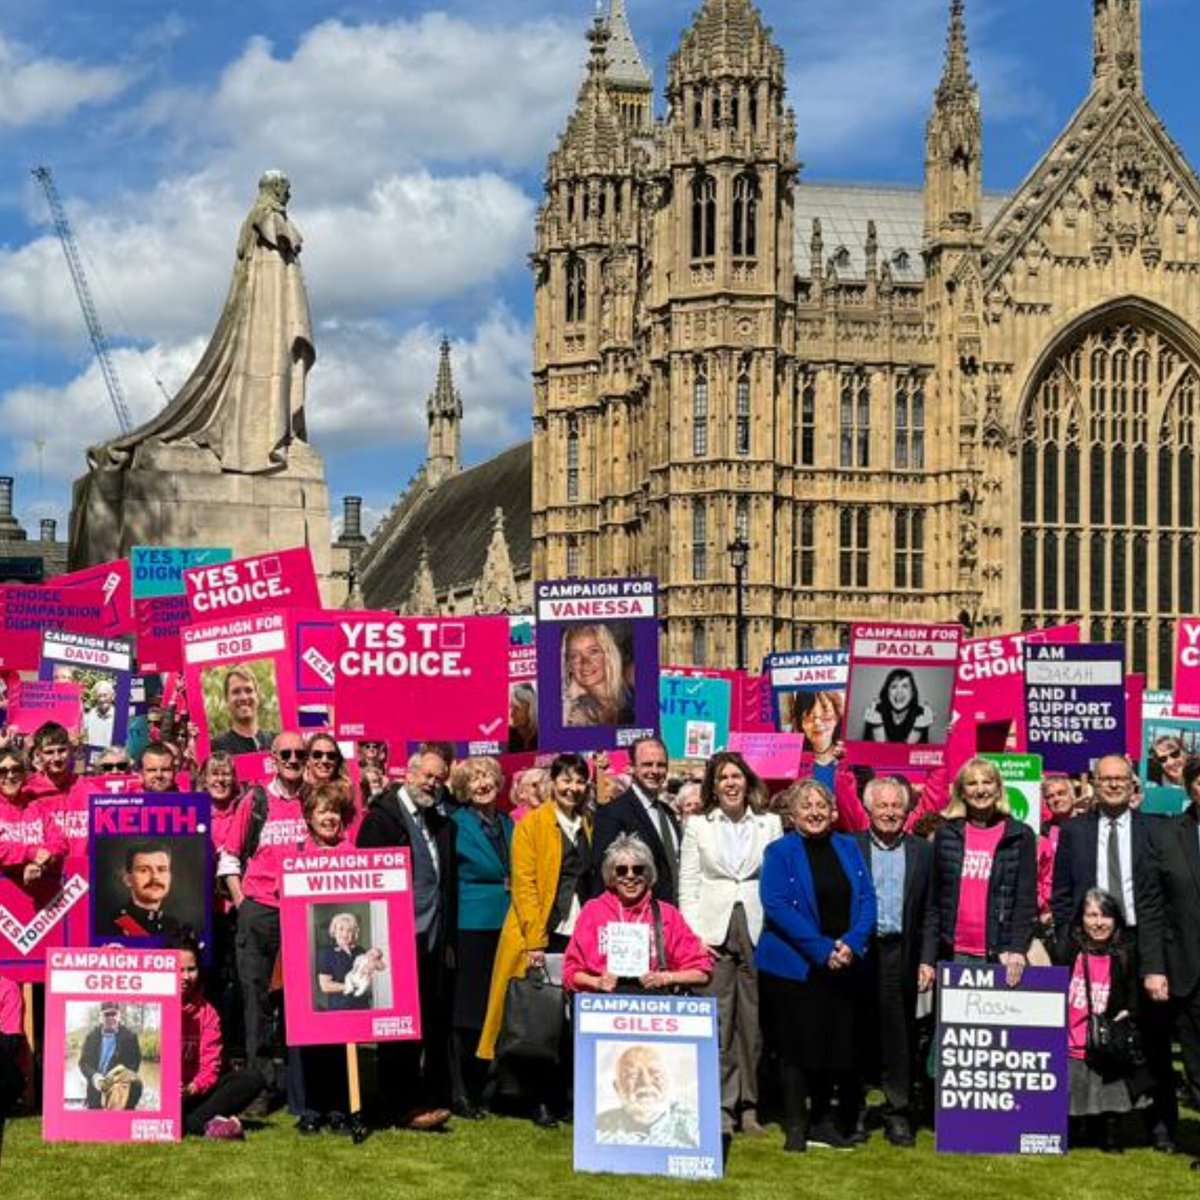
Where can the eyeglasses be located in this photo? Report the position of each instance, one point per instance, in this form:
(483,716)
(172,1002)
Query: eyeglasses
(325,755)
(12,772)
(291,755)
(113,768)
(637,870)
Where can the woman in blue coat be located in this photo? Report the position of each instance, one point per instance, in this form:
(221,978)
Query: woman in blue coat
(818,916)
(483,839)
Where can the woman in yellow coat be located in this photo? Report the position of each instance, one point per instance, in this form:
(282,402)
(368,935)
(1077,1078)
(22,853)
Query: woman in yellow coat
(551,877)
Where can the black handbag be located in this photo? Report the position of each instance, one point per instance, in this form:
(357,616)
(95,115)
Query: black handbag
(1114,1047)
(535,1016)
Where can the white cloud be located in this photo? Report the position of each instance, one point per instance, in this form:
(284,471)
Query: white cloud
(354,103)
(37,91)
(370,386)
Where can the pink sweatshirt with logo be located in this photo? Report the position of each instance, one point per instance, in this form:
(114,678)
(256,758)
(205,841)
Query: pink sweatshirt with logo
(27,827)
(284,830)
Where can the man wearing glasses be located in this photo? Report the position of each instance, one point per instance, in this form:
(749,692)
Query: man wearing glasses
(1109,848)
(269,821)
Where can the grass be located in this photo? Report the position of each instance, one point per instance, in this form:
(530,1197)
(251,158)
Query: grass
(499,1158)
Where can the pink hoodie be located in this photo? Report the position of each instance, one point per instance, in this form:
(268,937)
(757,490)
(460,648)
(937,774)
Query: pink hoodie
(27,826)
(202,1046)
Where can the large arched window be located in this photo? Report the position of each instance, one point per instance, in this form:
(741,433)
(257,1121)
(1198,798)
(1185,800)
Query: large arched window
(745,216)
(704,217)
(1108,444)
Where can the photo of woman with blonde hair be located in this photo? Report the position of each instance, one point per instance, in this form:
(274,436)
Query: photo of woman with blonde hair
(595,691)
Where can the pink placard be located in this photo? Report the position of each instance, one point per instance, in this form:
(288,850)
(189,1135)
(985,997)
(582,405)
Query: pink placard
(315,642)
(240,686)
(262,583)
(1135,692)
(989,687)
(28,612)
(33,702)
(159,621)
(423,679)
(349,948)
(1187,667)
(899,693)
(136,1094)
(35,920)
(770,755)
(115,580)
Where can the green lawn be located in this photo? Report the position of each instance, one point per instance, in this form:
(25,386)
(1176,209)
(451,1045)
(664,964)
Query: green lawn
(500,1158)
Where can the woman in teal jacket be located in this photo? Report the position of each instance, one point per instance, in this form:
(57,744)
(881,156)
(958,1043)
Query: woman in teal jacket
(818,916)
(483,839)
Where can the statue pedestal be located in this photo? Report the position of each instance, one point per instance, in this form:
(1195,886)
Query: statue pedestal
(174,497)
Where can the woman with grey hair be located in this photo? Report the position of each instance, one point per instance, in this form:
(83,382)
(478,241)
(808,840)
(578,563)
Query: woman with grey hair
(625,939)
(522,718)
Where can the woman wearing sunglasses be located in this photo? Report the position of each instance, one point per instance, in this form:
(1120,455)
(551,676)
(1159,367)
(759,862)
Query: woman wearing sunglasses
(625,940)
(31,845)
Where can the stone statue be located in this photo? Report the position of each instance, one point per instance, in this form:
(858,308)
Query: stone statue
(244,402)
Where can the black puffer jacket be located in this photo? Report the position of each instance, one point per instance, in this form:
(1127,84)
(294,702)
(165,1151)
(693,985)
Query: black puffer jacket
(1012,889)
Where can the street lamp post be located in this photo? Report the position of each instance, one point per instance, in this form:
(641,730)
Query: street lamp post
(739,554)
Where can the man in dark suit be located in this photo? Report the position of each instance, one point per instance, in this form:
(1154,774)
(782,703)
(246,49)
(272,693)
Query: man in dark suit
(903,951)
(644,811)
(419,1072)
(1109,848)
(1170,925)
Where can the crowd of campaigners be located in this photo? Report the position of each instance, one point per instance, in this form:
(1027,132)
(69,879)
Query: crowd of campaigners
(814,914)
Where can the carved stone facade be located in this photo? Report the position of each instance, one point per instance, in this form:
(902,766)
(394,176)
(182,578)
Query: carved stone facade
(917,404)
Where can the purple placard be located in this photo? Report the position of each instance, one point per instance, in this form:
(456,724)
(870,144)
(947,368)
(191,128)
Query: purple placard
(1074,704)
(1002,1065)
(597,656)
(151,858)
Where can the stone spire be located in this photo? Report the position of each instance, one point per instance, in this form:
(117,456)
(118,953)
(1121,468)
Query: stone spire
(496,589)
(954,141)
(1117,44)
(444,410)
(422,600)
(728,36)
(626,67)
(593,138)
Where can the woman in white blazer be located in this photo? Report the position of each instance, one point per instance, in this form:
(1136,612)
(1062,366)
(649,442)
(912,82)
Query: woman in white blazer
(720,859)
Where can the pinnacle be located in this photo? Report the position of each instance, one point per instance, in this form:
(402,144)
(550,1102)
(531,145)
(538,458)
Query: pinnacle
(727,32)
(445,399)
(956,75)
(626,67)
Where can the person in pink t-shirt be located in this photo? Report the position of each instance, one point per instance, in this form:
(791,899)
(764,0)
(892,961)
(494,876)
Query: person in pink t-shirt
(1102,963)
(985,874)
(31,846)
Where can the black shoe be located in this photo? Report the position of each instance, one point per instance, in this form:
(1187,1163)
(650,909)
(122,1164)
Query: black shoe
(542,1117)
(795,1141)
(825,1135)
(467,1109)
(898,1132)
(338,1122)
(308,1126)
(1162,1141)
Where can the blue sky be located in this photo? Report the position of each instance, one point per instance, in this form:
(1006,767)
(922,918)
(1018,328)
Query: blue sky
(415,136)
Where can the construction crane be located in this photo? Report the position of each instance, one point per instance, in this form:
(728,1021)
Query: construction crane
(95,330)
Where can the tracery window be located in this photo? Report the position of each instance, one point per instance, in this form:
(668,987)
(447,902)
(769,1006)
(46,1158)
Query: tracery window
(1108,444)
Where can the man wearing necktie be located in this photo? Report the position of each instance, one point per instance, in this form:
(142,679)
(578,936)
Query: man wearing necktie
(1109,848)
(645,811)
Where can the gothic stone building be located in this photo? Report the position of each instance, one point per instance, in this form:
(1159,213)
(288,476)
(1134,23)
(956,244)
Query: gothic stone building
(920,404)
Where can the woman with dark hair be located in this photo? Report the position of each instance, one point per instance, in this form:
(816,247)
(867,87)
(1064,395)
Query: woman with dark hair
(897,714)
(720,862)
(551,877)
(1104,982)
(984,874)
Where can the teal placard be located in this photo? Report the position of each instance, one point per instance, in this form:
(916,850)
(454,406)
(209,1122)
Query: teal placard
(693,715)
(158,570)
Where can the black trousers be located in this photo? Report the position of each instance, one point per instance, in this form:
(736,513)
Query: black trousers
(226,988)
(12,1080)
(1155,1022)
(257,950)
(226,1098)
(890,1025)
(416,1075)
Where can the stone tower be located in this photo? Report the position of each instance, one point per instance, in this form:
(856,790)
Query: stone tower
(444,410)
(721,324)
(586,265)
